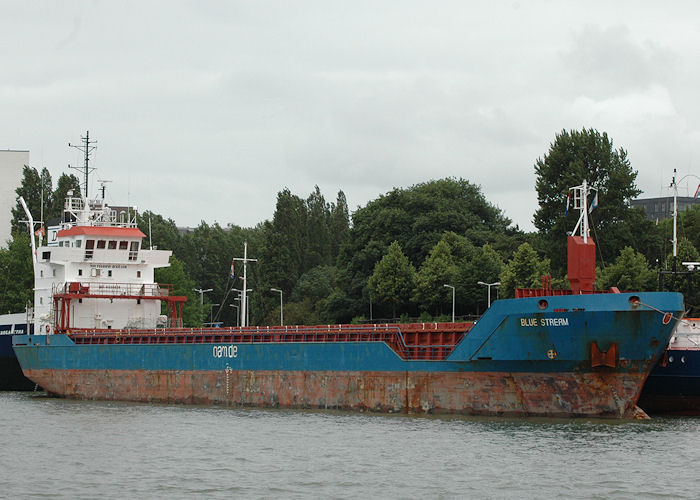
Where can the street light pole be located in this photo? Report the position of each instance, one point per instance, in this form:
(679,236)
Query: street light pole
(201,294)
(453,300)
(281,305)
(489,285)
(237,309)
(201,300)
(211,311)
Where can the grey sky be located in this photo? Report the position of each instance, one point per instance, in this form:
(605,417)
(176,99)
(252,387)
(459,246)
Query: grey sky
(204,111)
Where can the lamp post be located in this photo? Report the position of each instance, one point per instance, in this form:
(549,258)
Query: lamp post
(489,285)
(201,294)
(237,309)
(281,305)
(211,311)
(453,300)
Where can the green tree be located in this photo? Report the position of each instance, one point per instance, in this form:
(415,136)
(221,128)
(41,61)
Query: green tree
(486,265)
(417,218)
(161,232)
(438,269)
(16,274)
(630,271)
(338,225)
(65,183)
(317,244)
(295,313)
(282,259)
(524,270)
(47,194)
(393,279)
(175,275)
(30,189)
(688,226)
(573,157)
(687,280)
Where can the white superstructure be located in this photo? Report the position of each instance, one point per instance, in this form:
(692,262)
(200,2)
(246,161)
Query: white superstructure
(93,272)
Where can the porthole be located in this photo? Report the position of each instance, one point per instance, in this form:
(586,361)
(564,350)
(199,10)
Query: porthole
(682,359)
(634,301)
(542,304)
(670,359)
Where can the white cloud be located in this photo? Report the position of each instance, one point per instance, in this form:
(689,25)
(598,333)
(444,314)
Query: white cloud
(206,111)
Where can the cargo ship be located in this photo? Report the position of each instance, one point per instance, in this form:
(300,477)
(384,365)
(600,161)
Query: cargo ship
(99,334)
(673,387)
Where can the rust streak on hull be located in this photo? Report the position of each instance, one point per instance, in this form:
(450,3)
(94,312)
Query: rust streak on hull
(472,393)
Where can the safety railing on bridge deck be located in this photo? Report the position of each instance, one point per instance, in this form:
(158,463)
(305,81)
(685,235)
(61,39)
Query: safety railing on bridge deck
(113,289)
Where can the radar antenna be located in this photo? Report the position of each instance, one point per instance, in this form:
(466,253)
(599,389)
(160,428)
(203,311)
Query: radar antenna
(87,147)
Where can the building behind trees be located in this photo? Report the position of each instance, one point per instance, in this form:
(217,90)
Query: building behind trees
(11,165)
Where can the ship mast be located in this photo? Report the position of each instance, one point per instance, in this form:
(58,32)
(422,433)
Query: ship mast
(87,147)
(580,203)
(580,251)
(674,185)
(244,300)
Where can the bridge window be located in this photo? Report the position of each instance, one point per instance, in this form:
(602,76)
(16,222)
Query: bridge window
(101,244)
(112,245)
(78,243)
(89,248)
(123,245)
(134,250)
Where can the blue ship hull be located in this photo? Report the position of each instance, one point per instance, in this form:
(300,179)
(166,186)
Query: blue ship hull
(11,376)
(575,355)
(673,387)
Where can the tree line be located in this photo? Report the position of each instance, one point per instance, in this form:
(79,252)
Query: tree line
(392,258)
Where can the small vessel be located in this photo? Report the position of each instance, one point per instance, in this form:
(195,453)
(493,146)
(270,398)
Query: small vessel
(11,377)
(673,387)
(565,353)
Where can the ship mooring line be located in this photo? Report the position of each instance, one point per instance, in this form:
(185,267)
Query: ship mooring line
(678,318)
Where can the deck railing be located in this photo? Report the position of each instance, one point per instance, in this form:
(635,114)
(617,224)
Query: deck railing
(426,341)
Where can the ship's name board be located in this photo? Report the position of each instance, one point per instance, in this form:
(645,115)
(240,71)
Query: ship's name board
(109,266)
(225,351)
(544,321)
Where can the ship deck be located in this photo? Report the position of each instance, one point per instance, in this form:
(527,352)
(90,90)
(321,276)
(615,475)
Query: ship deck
(415,341)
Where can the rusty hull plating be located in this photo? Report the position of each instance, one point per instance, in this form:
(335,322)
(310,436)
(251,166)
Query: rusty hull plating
(471,393)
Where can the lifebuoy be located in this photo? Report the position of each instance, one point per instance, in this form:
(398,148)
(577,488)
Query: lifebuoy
(667,318)
(48,328)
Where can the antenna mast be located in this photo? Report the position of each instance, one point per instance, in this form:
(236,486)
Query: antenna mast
(87,147)
(103,184)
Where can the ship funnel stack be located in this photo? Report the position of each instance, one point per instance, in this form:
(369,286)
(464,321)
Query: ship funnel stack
(580,246)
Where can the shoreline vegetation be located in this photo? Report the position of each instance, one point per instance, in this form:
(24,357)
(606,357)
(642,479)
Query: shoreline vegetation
(390,260)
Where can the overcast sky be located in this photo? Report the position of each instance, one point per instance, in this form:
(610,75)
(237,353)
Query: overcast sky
(205,110)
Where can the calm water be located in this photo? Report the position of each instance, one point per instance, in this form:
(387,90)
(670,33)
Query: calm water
(67,449)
